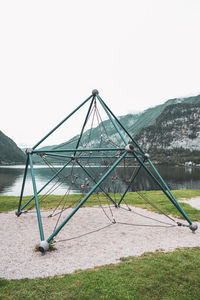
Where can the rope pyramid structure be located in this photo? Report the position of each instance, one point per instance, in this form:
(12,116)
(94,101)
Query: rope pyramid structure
(89,162)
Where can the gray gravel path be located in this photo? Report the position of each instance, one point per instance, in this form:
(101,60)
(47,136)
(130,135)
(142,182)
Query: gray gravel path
(19,235)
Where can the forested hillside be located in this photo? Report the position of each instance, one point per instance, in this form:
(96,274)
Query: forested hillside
(9,152)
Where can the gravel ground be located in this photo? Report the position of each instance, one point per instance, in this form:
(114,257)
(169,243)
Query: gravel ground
(19,236)
(194,202)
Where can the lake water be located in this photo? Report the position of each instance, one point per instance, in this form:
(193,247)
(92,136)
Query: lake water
(176,178)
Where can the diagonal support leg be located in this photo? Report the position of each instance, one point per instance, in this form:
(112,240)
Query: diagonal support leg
(173,200)
(18,212)
(120,124)
(85,198)
(55,128)
(85,122)
(54,176)
(36,200)
(112,120)
(96,183)
(135,175)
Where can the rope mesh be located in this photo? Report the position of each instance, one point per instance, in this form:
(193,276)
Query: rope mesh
(90,175)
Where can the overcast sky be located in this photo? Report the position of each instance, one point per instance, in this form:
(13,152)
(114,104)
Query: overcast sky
(138,54)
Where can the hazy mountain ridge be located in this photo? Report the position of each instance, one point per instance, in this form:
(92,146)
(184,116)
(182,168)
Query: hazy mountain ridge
(10,153)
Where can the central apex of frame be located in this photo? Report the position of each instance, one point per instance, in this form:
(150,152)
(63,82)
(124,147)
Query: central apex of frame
(95,92)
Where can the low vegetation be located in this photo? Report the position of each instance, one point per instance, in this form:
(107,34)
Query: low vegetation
(8,203)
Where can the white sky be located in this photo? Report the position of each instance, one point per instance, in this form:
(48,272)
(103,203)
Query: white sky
(137,53)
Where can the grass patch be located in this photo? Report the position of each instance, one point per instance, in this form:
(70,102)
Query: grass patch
(159,275)
(8,203)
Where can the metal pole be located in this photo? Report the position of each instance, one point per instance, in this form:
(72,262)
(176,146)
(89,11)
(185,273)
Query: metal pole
(130,184)
(96,182)
(113,121)
(46,184)
(46,136)
(22,189)
(85,122)
(136,144)
(85,198)
(173,200)
(78,150)
(36,199)
(83,157)
(171,194)
(163,182)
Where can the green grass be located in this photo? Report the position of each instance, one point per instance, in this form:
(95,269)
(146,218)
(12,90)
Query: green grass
(8,203)
(159,275)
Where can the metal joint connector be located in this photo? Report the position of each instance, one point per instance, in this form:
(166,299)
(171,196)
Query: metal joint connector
(41,154)
(29,151)
(95,92)
(18,213)
(129,148)
(146,156)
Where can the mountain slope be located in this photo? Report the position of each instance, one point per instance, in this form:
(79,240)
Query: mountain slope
(166,130)
(134,123)
(176,132)
(9,152)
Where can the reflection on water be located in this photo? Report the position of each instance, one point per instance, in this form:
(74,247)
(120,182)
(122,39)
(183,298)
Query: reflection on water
(8,179)
(77,180)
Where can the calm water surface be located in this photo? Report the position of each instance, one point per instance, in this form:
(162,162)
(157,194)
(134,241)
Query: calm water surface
(176,178)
